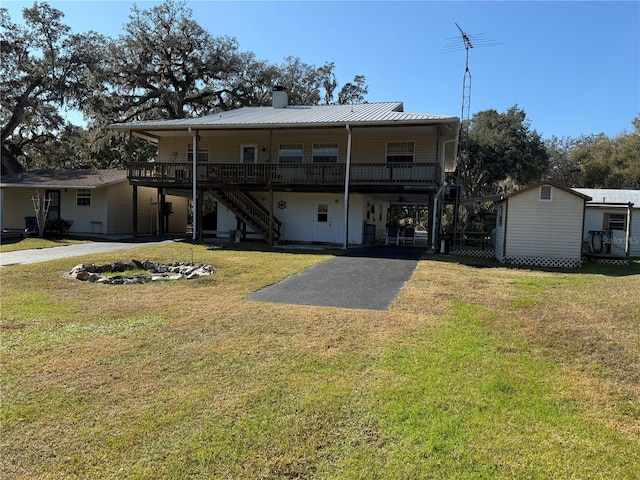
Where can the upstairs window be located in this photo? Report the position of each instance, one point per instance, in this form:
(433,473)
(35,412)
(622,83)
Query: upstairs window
(615,221)
(203,153)
(83,197)
(325,153)
(400,152)
(290,153)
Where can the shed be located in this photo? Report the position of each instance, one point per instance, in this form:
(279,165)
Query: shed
(541,225)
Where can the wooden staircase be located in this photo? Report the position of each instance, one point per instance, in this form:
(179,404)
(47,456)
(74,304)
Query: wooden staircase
(249,211)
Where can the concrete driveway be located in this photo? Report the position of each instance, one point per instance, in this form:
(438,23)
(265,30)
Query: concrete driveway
(367,278)
(45,254)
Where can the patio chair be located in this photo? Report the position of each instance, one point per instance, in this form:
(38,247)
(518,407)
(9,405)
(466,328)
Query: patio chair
(409,236)
(393,236)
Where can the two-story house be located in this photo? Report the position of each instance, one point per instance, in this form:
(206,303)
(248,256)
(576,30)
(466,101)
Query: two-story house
(325,174)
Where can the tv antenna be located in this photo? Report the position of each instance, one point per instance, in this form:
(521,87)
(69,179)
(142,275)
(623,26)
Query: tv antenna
(467,41)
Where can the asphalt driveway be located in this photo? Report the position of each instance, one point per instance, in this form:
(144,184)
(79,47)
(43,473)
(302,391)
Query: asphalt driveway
(367,278)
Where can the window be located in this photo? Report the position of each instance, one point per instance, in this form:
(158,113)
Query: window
(400,152)
(323,213)
(83,197)
(203,153)
(615,221)
(500,215)
(248,153)
(325,153)
(545,193)
(290,153)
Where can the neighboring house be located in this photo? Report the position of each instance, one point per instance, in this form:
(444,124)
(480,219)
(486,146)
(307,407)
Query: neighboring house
(282,173)
(94,201)
(541,225)
(612,222)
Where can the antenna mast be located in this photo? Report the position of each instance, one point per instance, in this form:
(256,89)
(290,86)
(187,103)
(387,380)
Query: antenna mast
(466,87)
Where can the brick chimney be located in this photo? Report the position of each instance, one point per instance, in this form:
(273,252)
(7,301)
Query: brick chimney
(280,97)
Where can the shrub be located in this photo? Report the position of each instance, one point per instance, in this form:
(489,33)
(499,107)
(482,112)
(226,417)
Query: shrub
(57,226)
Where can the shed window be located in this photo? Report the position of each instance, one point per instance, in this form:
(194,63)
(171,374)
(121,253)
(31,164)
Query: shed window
(325,153)
(400,152)
(615,221)
(500,215)
(290,153)
(545,193)
(83,197)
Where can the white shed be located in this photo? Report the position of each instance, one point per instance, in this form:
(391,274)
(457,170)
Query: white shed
(541,225)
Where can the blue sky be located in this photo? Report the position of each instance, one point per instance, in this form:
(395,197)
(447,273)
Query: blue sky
(574,67)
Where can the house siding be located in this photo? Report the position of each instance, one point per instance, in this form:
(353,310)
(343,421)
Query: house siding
(544,229)
(594,220)
(368,144)
(17,204)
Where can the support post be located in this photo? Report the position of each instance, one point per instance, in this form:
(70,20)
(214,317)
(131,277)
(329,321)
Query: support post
(627,245)
(270,217)
(195,220)
(135,210)
(347,172)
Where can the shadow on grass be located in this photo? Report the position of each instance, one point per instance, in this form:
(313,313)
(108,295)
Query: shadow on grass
(588,267)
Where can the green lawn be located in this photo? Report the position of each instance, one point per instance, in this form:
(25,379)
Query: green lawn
(15,244)
(476,371)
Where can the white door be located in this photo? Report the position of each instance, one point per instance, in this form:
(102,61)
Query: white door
(323,223)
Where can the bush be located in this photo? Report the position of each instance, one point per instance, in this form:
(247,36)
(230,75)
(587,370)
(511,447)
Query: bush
(57,227)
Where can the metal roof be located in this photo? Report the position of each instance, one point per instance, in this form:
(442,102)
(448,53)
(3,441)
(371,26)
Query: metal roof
(64,178)
(611,195)
(382,113)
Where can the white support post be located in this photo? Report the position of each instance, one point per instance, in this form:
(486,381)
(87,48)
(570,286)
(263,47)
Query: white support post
(345,245)
(194,224)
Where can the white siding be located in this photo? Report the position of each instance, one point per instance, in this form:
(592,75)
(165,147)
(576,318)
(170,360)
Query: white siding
(594,220)
(17,204)
(500,230)
(549,229)
(120,209)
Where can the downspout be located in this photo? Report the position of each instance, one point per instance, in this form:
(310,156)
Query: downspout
(444,160)
(627,245)
(346,190)
(434,227)
(194,210)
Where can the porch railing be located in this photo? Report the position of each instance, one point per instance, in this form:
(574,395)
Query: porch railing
(180,174)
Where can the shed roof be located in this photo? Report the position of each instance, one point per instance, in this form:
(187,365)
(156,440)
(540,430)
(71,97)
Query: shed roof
(547,182)
(382,113)
(611,195)
(64,178)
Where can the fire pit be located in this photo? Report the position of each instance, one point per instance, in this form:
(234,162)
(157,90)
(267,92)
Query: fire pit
(153,272)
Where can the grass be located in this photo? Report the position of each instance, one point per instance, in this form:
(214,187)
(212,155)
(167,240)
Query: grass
(15,244)
(472,373)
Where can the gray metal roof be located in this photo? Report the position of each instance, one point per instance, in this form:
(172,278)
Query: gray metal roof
(383,113)
(64,178)
(611,195)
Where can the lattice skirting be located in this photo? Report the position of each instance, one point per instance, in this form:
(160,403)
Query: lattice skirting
(470,252)
(544,262)
(613,261)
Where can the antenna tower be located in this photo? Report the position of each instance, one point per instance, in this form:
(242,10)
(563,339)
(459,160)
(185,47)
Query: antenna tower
(466,85)
(468,42)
